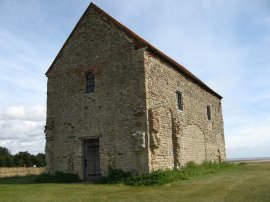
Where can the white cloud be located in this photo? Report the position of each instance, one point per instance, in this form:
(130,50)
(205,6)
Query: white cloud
(32,113)
(17,145)
(21,128)
(250,135)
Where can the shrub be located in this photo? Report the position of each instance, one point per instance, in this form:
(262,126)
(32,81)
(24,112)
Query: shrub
(157,177)
(165,176)
(58,177)
(114,176)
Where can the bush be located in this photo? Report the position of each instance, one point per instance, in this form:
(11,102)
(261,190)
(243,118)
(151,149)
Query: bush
(58,177)
(157,177)
(114,176)
(163,177)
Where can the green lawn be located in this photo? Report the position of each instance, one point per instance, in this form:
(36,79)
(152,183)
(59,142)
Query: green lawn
(249,182)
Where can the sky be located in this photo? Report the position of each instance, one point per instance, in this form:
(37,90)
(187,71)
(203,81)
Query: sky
(225,43)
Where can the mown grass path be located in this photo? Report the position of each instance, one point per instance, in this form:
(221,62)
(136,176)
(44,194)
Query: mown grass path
(249,182)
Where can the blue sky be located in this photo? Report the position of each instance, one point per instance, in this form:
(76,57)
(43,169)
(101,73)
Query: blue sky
(226,43)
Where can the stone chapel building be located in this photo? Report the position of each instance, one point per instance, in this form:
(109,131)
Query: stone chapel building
(114,100)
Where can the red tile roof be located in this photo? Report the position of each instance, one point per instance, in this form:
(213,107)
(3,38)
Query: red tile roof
(140,42)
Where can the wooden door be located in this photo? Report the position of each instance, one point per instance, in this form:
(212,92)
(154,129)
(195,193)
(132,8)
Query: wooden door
(91,160)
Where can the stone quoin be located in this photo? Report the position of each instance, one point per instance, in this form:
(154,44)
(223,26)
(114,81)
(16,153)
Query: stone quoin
(114,100)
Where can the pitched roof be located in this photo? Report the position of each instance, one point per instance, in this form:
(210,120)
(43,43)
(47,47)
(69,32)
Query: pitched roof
(139,43)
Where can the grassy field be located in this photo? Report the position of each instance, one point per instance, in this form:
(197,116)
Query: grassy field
(20,171)
(250,182)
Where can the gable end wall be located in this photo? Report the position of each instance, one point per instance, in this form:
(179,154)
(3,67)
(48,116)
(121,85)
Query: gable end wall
(115,113)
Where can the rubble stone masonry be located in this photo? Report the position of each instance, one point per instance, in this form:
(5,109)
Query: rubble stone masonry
(133,110)
(179,136)
(113,113)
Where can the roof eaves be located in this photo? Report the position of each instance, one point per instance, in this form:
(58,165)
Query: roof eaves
(182,69)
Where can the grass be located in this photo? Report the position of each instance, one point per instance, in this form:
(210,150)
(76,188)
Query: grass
(250,182)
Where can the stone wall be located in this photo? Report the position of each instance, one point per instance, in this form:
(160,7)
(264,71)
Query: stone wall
(115,112)
(133,110)
(177,137)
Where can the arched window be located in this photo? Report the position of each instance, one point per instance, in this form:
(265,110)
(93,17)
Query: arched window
(89,83)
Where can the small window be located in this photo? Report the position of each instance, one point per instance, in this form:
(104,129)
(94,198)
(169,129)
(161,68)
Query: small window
(90,83)
(179,100)
(209,113)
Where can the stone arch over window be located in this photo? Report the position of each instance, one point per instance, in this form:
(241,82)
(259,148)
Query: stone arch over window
(89,83)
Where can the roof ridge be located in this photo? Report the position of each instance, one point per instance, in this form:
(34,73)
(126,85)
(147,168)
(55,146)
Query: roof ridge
(139,43)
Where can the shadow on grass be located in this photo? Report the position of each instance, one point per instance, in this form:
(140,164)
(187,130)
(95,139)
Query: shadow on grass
(30,179)
(57,178)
